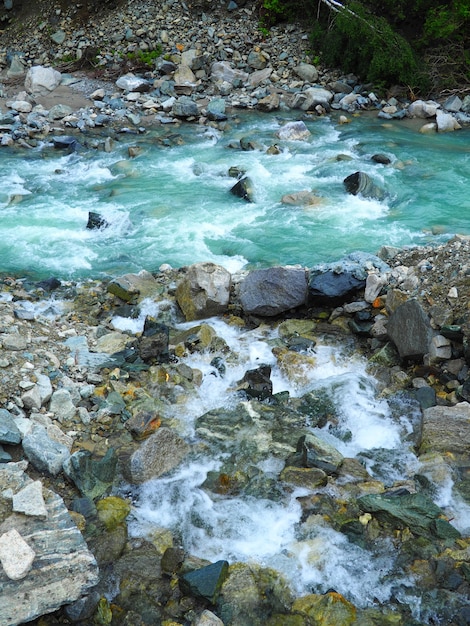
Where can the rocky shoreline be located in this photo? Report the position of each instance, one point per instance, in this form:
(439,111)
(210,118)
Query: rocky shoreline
(88,407)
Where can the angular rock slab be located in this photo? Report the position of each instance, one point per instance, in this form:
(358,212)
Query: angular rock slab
(410,330)
(273,291)
(63,567)
(447,429)
(41,80)
(206,581)
(160,453)
(204,291)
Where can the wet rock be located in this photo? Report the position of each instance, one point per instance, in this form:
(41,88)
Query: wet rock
(216,110)
(383,159)
(251,594)
(204,291)
(160,453)
(83,609)
(293,131)
(273,291)
(92,477)
(333,287)
(130,287)
(409,510)
(143,424)
(256,383)
(314,452)
(360,183)
(294,366)
(70,144)
(310,478)
(410,330)
(96,221)
(112,511)
(330,609)
(302,198)
(243,189)
(153,344)
(207,618)
(205,582)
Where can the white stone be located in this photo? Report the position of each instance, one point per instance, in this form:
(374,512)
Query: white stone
(293,131)
(22,106)
(374,284)
(16,556)
(453,293)
(98,94)
(428,128)
(446,122)
(41,80)
(421,108)
(30,500)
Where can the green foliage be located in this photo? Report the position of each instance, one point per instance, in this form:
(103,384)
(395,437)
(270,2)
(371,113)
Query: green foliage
(367,45)
(145,58)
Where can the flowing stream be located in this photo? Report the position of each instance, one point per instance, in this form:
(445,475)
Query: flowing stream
(171,204)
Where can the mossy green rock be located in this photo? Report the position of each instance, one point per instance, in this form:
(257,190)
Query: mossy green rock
(330,609)
(113,511)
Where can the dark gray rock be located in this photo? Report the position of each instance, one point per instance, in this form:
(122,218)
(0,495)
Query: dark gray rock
(410,330)
(9,432)
(205,582)
(313,452)
(84,608)
(243,189)
(185,107)
(216,110)
(257,383)
(360,183)
(333,286)
(96,221)
(68,143)
(273,291)
(153,344)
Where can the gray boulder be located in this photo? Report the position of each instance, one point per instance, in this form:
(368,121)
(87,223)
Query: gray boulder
(293,131)
(133,286)
(273,291)
(307,72)
(410,330)
(131,82)
(316,96)
(9,432)
(256,60)
(41,80)
(44,453)
(446,429)
(446,122)
(423,109)
(204,291)
(222,71)
(243,188)
(185,107)
(160,453)
(333,286)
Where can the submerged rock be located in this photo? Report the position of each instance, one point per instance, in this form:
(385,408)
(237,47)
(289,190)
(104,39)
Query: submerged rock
(243,188)
(360,183)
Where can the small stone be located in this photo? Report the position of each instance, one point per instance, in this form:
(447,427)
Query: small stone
(16,556)
(30,500)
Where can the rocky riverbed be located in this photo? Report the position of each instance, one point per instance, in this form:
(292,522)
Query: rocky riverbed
(88,406)
(88,400)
